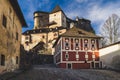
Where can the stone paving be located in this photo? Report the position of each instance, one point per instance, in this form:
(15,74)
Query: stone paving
(46,73)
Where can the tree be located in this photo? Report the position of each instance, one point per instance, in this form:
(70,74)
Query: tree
(111,30)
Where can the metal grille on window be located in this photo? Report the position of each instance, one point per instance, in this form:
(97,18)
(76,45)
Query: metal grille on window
(92,44)
(86,44)
(66,56)
(67,43)
(77,44)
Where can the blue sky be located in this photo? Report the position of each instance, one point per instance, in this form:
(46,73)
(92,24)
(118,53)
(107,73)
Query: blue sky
(95,10)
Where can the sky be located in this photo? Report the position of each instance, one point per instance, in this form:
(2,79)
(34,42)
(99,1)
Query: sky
(97,11)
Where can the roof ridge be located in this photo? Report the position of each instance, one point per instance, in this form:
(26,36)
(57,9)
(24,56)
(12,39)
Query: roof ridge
(74,31)
(56,9)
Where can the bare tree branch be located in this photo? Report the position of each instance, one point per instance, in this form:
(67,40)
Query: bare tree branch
(111,29)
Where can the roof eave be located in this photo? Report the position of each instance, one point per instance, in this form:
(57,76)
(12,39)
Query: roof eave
(81,36)
(18,11)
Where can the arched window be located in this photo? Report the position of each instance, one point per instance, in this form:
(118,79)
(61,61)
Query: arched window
(67,43)
(66,56)
(86,44)
(76,44)
(92,44)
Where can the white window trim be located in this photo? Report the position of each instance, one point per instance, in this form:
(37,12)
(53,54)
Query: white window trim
(67,65)
(66,54)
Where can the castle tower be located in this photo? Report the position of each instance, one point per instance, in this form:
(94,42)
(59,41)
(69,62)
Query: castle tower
(84,24)
(41,19)
(58,16)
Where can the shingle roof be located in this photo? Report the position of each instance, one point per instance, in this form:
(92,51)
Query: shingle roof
(110,45)
(43,30)
(56,9)
(77,32)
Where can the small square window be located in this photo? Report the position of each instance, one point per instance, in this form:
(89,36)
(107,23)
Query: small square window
(66,44)
(43,36)
(4,21)
(85,45)
(66,55)
(93,45)
(55,34)
(16,35)
(26,37)
(27,43)
(16,59)
(76,44)
(2,60)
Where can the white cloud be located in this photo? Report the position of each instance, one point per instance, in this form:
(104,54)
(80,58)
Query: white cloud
(81,1)
(95,11)
(99,14)
(29,7)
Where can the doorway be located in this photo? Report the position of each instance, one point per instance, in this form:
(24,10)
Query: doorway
(69,65)
(92,65)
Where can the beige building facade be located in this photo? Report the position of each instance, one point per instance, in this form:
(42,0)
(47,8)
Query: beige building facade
(47,28)
(11,22)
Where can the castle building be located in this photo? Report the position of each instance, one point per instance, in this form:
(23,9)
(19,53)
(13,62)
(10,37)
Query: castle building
(11,21)
(77,49)
(48,26)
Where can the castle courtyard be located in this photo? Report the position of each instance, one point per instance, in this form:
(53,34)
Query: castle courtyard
(52,73)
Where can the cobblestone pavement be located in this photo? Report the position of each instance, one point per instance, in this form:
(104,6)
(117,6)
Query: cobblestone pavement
(44,73)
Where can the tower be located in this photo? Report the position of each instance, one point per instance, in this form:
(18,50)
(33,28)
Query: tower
(41,19)
(58,16)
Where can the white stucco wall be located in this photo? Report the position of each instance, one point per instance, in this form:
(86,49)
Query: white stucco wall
(107,54)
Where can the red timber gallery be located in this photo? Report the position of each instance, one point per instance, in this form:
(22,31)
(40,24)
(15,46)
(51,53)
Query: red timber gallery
(77,49)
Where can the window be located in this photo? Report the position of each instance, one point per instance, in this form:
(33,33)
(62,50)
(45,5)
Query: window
(26,38)
(27,43)
(76,44)
(2,60)
(55,34)
(43,36)
(66,55)
(4,21)
(16,59)
(16,35)
(93,44)
(10,10)
(85,44)
(69,66)
(66,43)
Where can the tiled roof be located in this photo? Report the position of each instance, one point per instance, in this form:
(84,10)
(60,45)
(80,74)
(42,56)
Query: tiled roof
(43,30)
(110,45)
(56,9)
(77,32)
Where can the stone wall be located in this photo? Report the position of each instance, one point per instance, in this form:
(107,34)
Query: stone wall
(110,56)
(9,42)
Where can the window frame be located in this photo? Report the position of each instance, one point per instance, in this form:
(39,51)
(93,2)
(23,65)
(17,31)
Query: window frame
(4,21)
(2,62)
